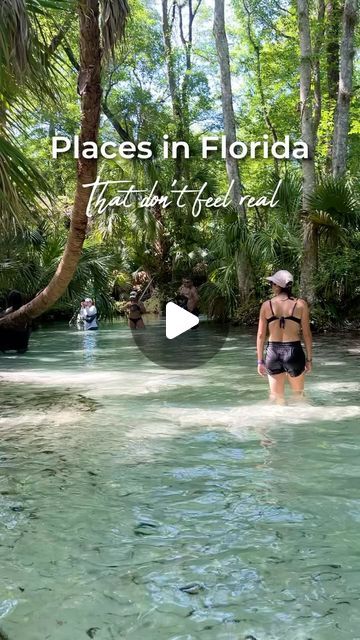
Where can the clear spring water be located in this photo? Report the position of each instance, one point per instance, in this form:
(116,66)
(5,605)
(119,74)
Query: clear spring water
(140,503)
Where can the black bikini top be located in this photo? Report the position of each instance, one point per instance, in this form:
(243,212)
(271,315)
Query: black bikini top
(283,318)
(135,308)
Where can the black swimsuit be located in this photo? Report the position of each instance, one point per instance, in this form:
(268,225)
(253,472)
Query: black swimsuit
(135,308)
(283,318)
(285,357)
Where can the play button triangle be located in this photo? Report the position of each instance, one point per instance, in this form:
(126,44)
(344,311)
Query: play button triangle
(178,320)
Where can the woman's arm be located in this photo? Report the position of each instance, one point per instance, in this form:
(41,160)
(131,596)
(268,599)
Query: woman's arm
(260,340)
(306,331)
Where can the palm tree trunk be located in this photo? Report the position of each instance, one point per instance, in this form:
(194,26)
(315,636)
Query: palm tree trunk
(244,269)
(90,94)
(342,114)
(309,262)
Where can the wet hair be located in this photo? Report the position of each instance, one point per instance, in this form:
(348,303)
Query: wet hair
(15,300)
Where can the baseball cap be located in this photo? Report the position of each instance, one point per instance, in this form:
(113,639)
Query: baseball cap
(282,278)
(88,300)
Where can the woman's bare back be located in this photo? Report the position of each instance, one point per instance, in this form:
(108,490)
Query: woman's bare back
(282,328)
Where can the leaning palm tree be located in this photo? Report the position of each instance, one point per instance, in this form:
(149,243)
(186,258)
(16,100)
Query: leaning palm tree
(101,24)
(34,257)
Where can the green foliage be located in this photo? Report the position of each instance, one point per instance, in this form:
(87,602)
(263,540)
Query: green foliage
(20,185)
(25,65)
(336,211)
(38,99)
(32,261)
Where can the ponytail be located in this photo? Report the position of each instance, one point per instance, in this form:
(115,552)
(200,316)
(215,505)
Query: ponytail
(287,290)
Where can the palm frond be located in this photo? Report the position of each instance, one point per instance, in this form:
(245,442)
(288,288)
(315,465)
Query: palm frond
(334,197)
(14,37)
(21,186)
(34,257)
(113,20)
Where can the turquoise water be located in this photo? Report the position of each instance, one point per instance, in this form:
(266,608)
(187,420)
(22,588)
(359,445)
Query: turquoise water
(140,503)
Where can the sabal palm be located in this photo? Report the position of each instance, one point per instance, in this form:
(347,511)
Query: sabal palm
(24,66)
(33,260)
(112,21)
(335,211)
(277,241)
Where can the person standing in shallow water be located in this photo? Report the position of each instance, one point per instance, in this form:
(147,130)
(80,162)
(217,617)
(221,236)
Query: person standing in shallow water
(284,318)
(90,315)
(189,295)
(134,310)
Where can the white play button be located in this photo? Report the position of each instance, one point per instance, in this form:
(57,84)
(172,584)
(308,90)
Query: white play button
(178,320)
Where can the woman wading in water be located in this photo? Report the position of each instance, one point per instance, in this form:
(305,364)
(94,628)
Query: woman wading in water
(284,318)
(134,310)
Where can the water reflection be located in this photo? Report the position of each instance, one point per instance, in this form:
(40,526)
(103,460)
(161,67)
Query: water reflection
(89,340)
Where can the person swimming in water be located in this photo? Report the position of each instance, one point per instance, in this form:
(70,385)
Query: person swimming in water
(284,318)
(134,310)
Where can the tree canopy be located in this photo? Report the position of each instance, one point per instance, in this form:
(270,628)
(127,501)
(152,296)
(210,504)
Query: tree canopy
(270,69)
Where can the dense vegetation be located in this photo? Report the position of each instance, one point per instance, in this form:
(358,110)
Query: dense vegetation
(292,71)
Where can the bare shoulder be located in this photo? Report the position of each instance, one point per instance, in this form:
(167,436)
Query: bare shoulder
(303,307)
(264,307)
(301,303)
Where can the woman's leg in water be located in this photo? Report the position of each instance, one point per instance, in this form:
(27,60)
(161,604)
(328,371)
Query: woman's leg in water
(297,386)
(277,387)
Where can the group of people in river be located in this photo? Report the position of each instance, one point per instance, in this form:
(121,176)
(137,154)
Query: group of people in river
(87,317)
(283,322)
(187,298)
